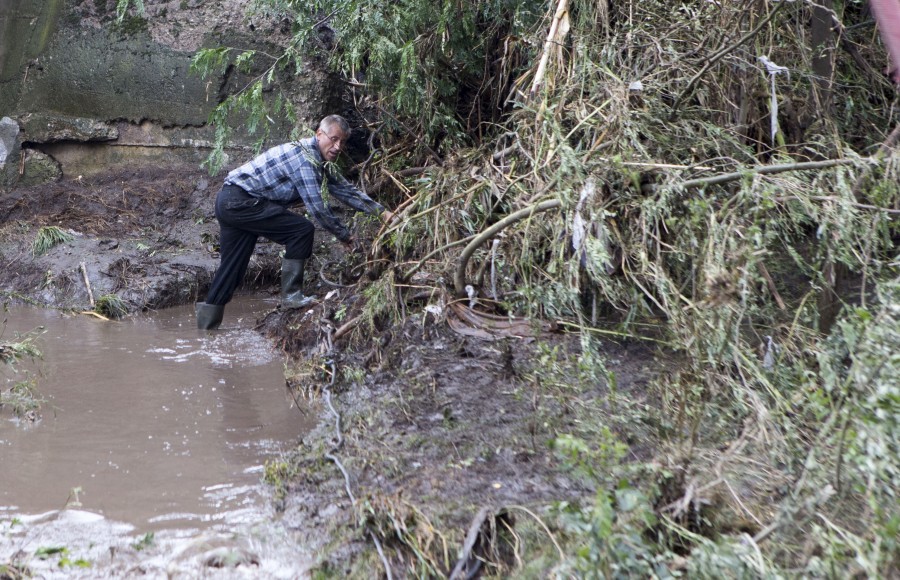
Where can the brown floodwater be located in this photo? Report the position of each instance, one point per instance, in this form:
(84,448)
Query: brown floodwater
(148,426)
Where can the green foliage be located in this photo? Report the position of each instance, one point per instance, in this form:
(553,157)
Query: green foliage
(432,73)
(868,412)
(23,347)
(128,20)
(255,111)
(353,375)
(146,541)
(736,559)
(47,237)
(420,60)
(784,427)
(612,536)
(22,396)
(278,474)
(47,552)
(400,523)
(381,302)
(111,306)
(14,571)
(211,61)
(595,457)
(122,7)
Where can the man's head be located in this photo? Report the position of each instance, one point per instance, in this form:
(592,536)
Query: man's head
(332,135)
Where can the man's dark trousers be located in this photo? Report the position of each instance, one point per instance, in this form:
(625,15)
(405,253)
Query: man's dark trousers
(242,219)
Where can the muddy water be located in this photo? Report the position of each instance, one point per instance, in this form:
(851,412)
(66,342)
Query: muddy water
(149,426)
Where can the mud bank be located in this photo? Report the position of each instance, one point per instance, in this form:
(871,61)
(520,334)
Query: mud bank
(146,236)
(435,426)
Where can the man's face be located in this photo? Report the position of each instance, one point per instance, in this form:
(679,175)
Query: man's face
(331,141)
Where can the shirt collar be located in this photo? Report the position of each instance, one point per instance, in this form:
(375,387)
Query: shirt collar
(312,144)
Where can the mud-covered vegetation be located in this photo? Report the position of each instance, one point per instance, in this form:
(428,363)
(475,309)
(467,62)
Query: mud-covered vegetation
(19,393)
(717,181)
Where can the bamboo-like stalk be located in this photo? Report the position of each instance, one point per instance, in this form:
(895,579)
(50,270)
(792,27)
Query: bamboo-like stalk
(428,256)
(548,44)
(768,170)
(87,284)
(459,279)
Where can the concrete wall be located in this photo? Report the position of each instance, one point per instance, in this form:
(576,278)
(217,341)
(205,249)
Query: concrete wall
(25,30)
(67,64)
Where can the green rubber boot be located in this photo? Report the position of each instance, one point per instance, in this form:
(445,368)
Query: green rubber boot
(209,316)
(292,284)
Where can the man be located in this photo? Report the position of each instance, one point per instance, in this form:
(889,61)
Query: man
(253,202)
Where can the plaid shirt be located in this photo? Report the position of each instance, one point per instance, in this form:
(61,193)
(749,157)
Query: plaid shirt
(293,172)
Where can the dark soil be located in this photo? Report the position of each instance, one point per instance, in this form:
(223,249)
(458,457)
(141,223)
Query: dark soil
(434,425)
(145,235)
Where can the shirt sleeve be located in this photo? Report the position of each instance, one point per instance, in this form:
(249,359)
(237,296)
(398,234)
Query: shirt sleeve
(350,196)
(307,179)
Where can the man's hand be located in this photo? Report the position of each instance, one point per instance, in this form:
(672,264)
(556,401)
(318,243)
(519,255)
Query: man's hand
(388,217)
(350,244)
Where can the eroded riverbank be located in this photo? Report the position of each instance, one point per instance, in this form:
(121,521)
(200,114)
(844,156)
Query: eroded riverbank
(440,421)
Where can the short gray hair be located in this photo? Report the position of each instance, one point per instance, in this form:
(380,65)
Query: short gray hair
(332,120)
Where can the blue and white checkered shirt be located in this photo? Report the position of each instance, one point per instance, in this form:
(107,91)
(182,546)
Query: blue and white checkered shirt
(293,172)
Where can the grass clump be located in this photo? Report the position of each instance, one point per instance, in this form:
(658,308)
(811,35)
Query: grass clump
(48,237)
(111,306)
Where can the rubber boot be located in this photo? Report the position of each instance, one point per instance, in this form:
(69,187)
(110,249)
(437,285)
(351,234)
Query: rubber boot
(292,284)
(209,316)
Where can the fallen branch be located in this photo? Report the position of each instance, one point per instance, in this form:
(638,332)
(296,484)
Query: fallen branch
(398,220)
(428,256)
(95,315)
(459,279)
(839,200)
(505,151)
(472,537)
(87,283)
(548,44)
(765,170)
(347,327)
(614,333)
(412,171)
(486,326)
(562,555)
(771,284)
(384,560)
(762,170)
